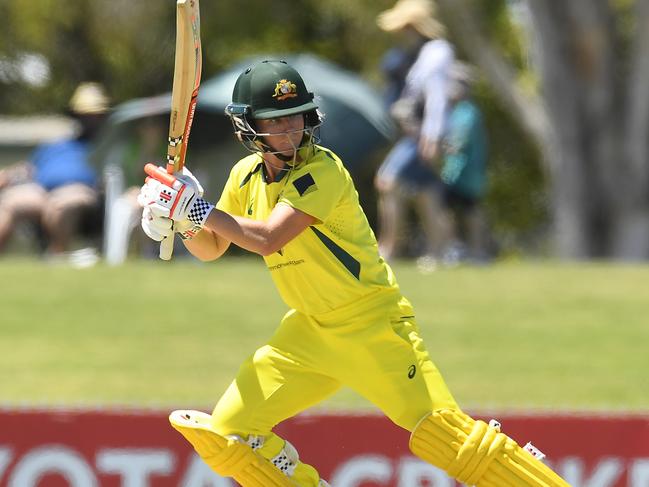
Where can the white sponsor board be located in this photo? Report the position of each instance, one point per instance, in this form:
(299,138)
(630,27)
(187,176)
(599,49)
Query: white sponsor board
(146,468)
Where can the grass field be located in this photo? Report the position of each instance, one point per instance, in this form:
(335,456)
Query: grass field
(512,335)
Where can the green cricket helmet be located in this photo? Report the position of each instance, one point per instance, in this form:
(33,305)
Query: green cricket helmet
(271,89)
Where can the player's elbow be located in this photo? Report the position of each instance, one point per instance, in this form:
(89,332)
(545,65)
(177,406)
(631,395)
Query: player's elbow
(271,243)
(207,246)
(206,256)
(268,248)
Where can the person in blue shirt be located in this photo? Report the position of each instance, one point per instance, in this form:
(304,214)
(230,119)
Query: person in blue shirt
(463,171)
(58,185)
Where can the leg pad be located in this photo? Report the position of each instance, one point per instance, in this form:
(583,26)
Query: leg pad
(229,457)
(477,454)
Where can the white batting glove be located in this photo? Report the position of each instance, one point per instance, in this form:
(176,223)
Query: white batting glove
(186,229)
(159,228)
(178,201)
(187,173)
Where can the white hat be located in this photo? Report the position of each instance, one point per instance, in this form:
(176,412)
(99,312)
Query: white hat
(420,14)
(89,99)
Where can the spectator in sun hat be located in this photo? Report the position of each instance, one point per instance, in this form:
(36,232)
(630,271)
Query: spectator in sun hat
(407,174)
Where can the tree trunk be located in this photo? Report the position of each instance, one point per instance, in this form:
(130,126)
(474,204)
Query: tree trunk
(563,63)
(591,122)
(570,209)
(631,222)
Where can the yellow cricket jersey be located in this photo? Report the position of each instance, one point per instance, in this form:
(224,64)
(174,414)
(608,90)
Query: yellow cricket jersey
(333,262)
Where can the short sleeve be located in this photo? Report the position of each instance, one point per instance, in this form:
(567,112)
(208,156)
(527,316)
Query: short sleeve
(229,200)
(317,188)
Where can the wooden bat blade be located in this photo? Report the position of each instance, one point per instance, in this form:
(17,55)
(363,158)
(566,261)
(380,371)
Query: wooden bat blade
(187,78)
(184,95)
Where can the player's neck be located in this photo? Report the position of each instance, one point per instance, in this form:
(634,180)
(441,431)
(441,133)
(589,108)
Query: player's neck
(274,165)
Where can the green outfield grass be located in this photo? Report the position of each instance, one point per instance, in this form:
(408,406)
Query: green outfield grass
(543,335)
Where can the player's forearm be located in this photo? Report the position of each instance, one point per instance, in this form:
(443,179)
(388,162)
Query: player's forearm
(253,235)
(207,245)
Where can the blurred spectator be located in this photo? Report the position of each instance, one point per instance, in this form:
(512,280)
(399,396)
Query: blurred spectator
(463,172)
(407,173)
(395,65)
(56,189)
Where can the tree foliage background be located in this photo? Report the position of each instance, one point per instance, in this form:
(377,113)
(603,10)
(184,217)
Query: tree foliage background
(587,110)
(129,46)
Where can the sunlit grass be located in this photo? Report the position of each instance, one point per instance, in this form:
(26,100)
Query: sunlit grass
(544,335)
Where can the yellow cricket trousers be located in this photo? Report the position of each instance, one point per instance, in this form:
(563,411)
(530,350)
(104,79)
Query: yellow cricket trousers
(372,345)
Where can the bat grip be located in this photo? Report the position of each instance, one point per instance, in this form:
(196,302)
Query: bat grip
(167,247)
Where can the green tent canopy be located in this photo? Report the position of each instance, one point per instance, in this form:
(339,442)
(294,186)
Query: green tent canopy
(356,124)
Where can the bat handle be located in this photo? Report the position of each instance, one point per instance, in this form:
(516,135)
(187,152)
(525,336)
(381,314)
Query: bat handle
(161,175)
(167,247)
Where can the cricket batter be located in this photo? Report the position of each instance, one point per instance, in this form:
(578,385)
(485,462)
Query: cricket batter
(293,202)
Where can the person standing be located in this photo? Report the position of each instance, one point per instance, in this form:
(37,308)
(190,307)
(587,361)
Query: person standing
(463,171)
(407,172)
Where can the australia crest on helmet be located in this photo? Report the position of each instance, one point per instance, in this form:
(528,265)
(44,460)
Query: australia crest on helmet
(285,89)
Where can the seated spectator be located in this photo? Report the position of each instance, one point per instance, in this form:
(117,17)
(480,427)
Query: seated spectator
(56,188)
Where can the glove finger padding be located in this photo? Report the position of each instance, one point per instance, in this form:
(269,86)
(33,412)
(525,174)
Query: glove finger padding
(178,197)
(174,203)
(148,193)
(186,229)
(156,228)
(188,174)
(156,196)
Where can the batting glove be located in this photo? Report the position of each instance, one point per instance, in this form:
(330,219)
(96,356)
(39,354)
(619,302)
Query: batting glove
(159,228)
(188,174)
(156,227)
(177,198)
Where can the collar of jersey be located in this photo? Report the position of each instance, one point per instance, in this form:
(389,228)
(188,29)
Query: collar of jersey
(304,153)
(261,167)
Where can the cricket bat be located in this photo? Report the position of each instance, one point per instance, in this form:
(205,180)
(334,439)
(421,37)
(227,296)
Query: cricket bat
(184,95)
